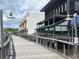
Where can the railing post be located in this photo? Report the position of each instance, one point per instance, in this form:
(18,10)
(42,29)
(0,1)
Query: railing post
(55,45)
(37,39)
(40,40)
(50,44)
(75,51)
(68,49)
(46,43)
(64,49)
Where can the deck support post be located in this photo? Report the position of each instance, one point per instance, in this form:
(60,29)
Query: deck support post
(64,49)
(46,43)
(68,49)
(55,45)
(50,44)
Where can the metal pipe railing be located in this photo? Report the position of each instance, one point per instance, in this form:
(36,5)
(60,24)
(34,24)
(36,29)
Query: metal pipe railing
(6,47)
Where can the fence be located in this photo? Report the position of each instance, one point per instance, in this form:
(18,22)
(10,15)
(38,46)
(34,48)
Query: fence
(5,47)
(65,48)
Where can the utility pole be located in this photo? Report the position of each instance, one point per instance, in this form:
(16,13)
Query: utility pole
(1,30)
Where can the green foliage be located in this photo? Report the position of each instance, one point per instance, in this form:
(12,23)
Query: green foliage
(12,30)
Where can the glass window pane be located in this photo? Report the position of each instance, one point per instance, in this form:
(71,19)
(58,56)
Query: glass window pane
(64,28)
(61,8)
(77,5)
(58,28)
(65,6)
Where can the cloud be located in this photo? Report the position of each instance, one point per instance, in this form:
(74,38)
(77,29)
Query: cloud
(11,23)
(18,8)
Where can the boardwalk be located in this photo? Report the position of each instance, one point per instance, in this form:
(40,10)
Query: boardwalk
(24,49)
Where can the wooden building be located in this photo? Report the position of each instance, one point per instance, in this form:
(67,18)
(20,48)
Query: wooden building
(57,27)
(55,22)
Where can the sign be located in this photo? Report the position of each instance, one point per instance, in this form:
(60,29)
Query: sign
(76,40)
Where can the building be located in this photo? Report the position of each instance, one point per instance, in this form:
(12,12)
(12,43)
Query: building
(23,26)
(30,20)
(56,31)
(55,23)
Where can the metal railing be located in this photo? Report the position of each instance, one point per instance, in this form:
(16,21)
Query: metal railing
(5,50)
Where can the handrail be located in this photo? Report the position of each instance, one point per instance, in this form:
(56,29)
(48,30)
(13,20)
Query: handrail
(5,47)
(54,39)
(44,41)
(47,42)
(7,41)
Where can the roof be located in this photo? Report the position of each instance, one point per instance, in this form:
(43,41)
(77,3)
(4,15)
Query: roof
(56,15)
(44,8)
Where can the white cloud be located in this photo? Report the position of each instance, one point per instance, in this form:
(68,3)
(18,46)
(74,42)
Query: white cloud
(18,7)
(4,19)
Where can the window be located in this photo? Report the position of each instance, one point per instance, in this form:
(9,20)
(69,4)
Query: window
(56,11)
(58,28)
(53,11)
(64,28)
(46,29)
(77,5)
(65,6)
(51,29)
(61,8)
(61,28)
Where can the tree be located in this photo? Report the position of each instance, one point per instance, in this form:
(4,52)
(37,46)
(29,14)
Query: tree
(10,30)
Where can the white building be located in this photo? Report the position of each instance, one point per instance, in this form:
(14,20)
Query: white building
(32,19)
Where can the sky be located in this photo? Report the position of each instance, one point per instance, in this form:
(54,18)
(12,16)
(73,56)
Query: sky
(18,8)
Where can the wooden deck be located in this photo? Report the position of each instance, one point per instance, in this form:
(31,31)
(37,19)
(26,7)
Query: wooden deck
(24,49)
